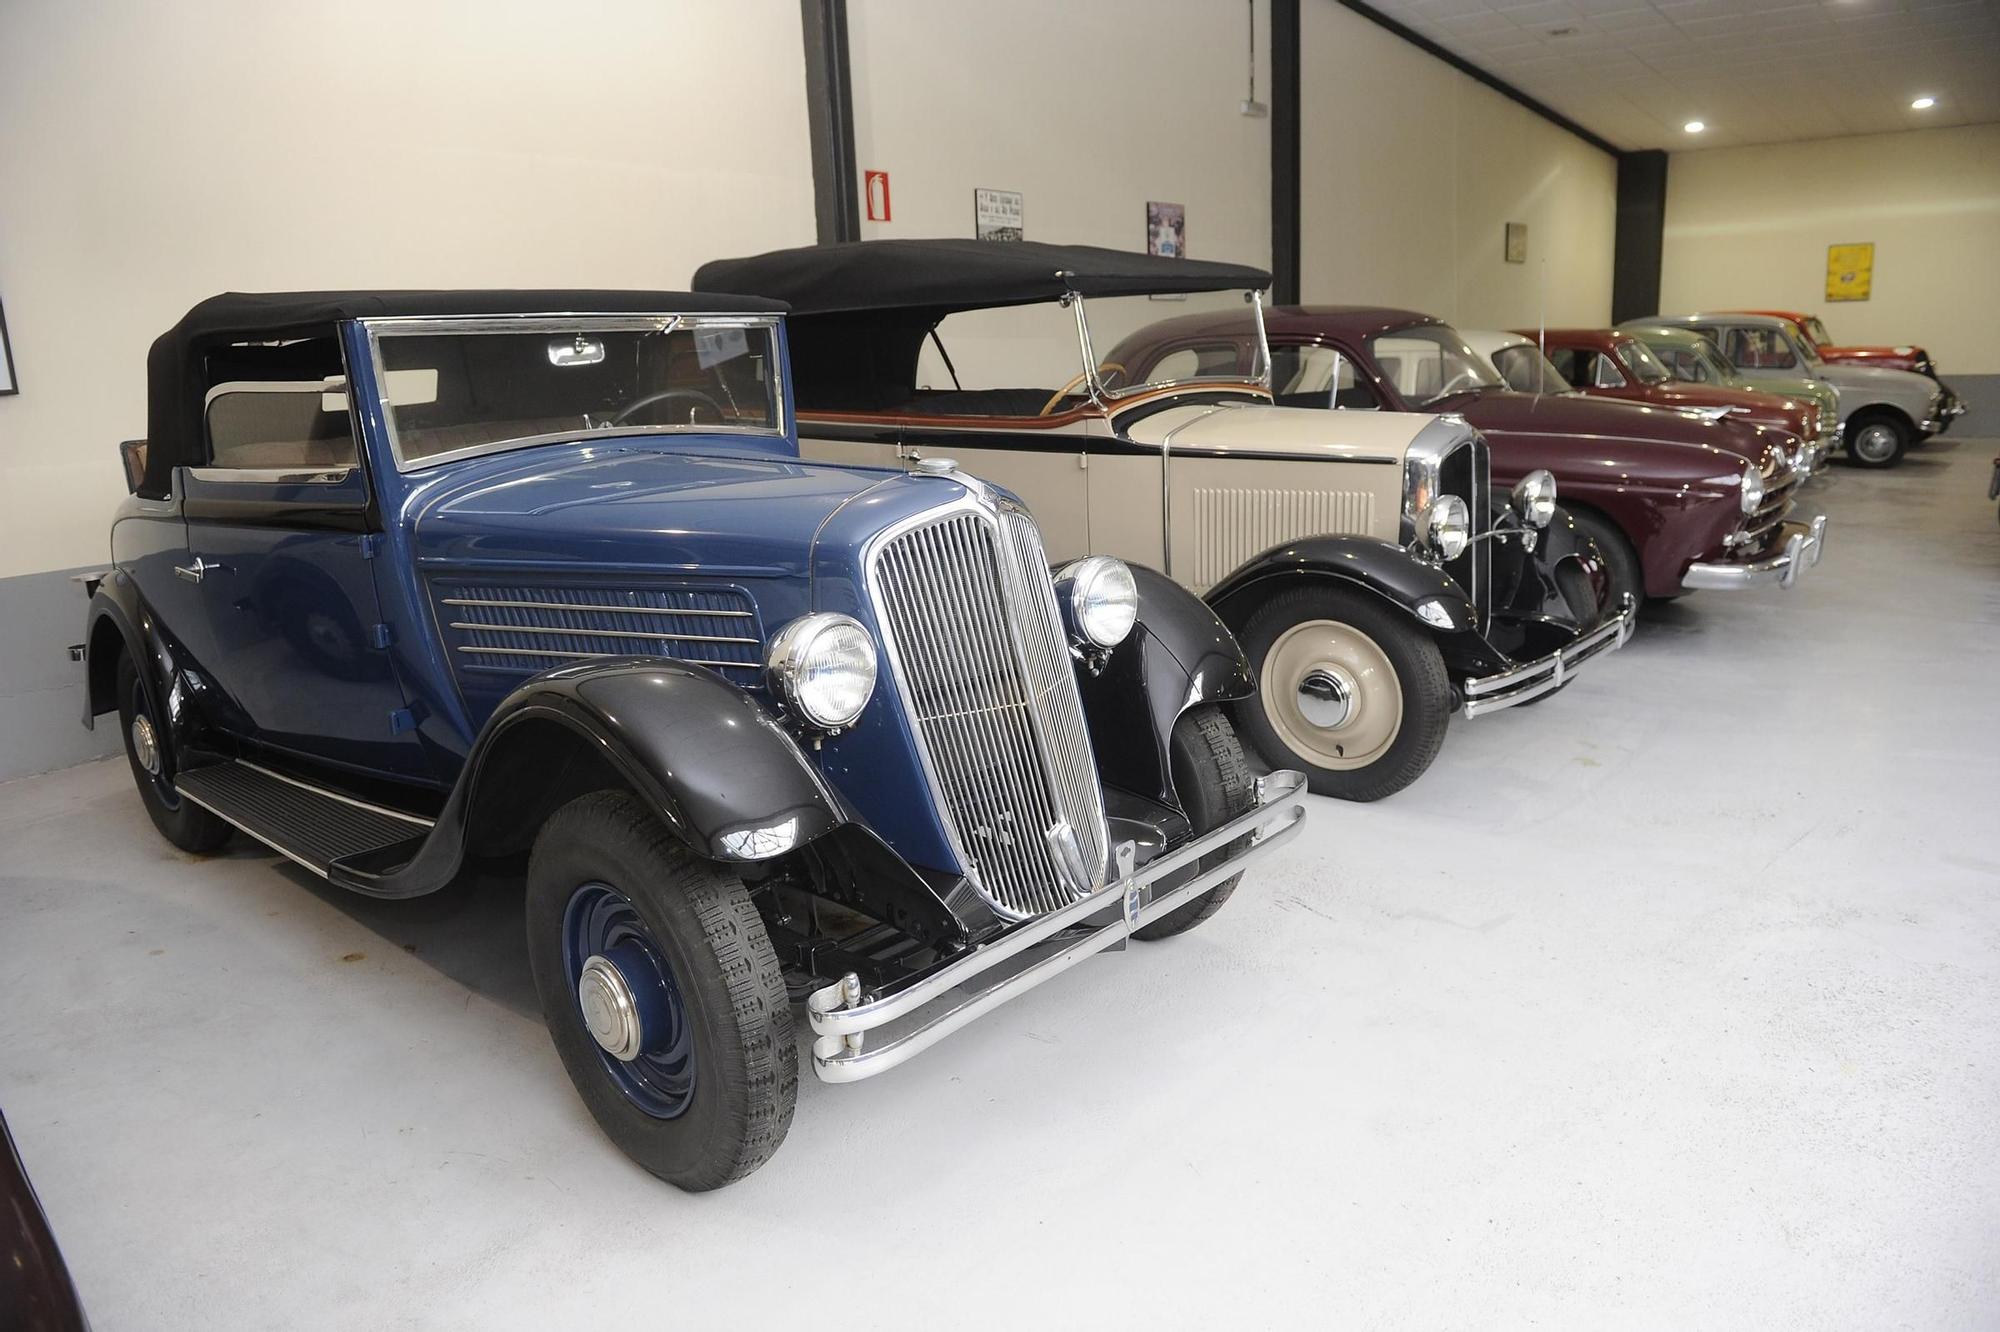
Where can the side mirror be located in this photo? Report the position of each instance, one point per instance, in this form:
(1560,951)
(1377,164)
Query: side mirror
(133,454)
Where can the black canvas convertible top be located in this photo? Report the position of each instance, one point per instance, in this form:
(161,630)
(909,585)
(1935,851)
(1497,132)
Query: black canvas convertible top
(952,274)
(177,367)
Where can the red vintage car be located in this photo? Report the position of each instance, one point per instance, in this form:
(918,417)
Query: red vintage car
(1612,363)
(1889,358)
(1666,494)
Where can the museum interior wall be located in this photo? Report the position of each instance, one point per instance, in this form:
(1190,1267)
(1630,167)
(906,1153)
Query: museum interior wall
(1752,225)
(156,154)
(1411,171)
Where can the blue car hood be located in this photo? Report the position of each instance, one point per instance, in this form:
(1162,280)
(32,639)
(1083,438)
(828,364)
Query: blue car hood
(637,507)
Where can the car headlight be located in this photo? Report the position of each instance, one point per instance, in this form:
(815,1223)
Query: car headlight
(1535,497)
(1102,600)
(1753,488)
(1447,525)
(823,665)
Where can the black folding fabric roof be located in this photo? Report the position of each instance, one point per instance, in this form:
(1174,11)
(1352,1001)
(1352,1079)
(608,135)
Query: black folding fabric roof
(946,275)
(175,368)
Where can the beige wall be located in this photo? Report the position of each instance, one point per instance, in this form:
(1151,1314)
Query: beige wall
(1411,171)
(153,154)
(1750,227)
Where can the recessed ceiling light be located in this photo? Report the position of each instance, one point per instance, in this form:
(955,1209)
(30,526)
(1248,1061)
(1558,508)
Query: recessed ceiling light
(1694,127)
(1923,104)
(1562,32)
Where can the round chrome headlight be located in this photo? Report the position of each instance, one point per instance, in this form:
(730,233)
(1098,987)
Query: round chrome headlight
(823,665)
(1103,599)
(1448,526)
(1753,488)
(1535,497)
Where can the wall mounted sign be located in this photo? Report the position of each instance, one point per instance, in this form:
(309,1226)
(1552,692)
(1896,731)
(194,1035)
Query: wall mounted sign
(997,215)
(1517,243)
(875,188)
(1850,270)
(7,382)
(1166,229)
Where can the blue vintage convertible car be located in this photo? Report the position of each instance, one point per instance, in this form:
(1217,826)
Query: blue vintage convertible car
(539,578)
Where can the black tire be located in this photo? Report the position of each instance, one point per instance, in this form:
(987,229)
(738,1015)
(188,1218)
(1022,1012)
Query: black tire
(744,1073)
(1869,431)
(1418,680)
(182,822)
(1215,785)
(1621,562)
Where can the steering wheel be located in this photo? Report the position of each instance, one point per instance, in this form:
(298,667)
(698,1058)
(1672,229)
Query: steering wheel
(701,399)
(1104,373)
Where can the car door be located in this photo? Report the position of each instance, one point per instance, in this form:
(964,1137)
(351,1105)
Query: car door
(289,629)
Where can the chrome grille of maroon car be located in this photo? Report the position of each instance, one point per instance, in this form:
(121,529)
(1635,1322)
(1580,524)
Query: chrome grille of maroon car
(973,635)
(521,629)
(1780,480)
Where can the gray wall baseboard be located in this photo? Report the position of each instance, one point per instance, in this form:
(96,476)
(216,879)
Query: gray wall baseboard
(41,689)
(1982,403)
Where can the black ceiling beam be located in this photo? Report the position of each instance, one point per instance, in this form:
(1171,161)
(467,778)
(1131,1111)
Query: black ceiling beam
(830,120)
(1285,205)
(1472,71)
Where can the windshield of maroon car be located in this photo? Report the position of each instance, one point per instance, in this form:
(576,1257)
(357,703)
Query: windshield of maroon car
(1027,360)
(1645,367)
(1526,370)
(462,387)
(1430,362)
(1701,363)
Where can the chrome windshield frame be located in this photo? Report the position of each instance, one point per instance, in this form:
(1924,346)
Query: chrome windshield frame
(375,329)
(1103,395)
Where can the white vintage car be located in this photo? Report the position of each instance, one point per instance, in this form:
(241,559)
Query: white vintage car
(1373,577)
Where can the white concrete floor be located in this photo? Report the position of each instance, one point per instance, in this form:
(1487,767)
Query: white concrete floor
(1674,1002)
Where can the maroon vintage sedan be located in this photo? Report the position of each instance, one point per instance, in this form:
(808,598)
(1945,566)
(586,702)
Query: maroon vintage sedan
(1612,363)
(1664,492)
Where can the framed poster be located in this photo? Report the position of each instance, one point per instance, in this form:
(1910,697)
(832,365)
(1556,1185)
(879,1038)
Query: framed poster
(1166,230)
(7,382)
(996,215)
(1517,243)
(1850,271)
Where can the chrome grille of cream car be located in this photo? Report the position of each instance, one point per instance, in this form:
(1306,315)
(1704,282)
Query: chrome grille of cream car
(974,638)
(1467,472)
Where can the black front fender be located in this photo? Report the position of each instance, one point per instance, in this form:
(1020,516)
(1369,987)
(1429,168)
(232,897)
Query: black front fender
(1179,655)
(726,779)
(1421,590)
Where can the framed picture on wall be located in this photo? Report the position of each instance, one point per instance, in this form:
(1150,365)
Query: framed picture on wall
(997,215)
(7,381)
(1166,229)
(1850,271)
(1517,242)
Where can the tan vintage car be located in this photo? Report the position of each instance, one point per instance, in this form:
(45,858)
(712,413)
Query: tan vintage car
(1375,580)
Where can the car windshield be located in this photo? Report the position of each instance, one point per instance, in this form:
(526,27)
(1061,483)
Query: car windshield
(1817,332)
(1526,370)
(1430,362)
(1027,360)
(1645,366)
(473,386)
(1708,356)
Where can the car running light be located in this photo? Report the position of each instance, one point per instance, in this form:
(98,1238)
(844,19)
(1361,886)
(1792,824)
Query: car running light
(1535,497)
(823,665)
(1103,600)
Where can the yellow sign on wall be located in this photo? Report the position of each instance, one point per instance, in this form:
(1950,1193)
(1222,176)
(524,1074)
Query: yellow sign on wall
(1849,269)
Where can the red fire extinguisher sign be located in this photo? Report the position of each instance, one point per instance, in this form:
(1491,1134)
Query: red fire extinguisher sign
(877,186)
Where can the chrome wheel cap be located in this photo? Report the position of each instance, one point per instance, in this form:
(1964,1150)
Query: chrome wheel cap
(610,1012)
(1332,695)
(145,745)
(1326,696)
(1875,443)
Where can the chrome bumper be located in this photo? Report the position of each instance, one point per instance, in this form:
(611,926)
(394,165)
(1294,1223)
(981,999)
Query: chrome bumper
(1490,693)
(857,1035)
(1802,551)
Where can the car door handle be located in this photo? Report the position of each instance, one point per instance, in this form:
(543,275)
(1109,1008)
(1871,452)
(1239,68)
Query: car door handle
(193,572)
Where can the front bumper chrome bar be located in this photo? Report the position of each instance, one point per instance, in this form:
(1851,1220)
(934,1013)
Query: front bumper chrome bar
(857,1035)
(1803,545)
(1532,679)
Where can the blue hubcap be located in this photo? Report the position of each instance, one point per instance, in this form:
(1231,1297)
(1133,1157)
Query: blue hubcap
(630,1004)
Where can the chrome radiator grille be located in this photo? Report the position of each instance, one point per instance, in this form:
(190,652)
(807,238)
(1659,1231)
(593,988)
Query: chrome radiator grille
(519,630)
(973,634)
(1467,472)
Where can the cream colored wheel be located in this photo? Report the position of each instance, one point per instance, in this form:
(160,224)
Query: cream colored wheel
(1332,694)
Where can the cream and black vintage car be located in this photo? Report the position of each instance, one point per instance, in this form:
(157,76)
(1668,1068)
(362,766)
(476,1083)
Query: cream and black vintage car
(1375,580)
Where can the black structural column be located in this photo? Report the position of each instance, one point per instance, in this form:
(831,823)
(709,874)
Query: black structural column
(830,118)
(1642,221)
(1285,152)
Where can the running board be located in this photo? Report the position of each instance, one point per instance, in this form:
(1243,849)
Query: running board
(316,827)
